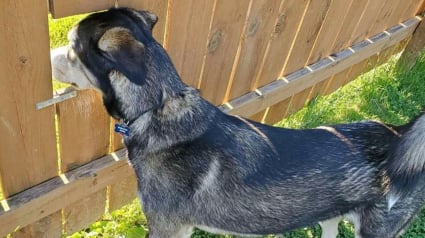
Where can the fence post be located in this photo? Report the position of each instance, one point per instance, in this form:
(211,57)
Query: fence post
(414,47)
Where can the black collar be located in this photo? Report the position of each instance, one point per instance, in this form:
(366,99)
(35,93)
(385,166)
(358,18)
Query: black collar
(124,127)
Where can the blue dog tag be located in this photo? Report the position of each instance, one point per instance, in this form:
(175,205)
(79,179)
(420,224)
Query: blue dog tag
(123,129)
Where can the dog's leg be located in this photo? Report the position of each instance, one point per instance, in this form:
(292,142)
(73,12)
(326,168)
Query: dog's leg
(183,231)
(355,218)
(330,227)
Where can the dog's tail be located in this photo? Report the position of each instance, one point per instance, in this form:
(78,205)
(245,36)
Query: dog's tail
(406,162)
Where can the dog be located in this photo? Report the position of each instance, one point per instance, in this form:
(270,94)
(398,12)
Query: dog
(199,167)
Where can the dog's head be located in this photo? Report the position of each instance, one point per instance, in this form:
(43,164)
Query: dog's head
(114,52)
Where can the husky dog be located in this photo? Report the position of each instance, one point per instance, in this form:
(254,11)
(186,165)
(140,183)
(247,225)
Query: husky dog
(198,167)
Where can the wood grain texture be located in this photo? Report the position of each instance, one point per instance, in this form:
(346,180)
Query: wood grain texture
(306,36)
(278,90)
(413,48)
(47,227)
(189,26)
(122,192)
(27,143)
(278,111)
(350,24)
(387,16)
(84,128)
(80,214)
(226,29)
(47,198)
(369,17)
(261,24)
(283,36)
(332,25)
(64,8)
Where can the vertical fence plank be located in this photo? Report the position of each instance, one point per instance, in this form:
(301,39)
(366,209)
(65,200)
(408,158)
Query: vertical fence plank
(298,101)
(370,15)
(226,29)
(258,116)
(27,143)
(83,129)
(122,193)
(278,111)
(413,48)
(82,213)
(319,88)
(415,7)
(387,17)
(332,25)
(260,25)
(282,37)
(420,8)
(63,8)
(307,35)
(336,82)
(352,20)
(47,227)
(300,52)
(189,25)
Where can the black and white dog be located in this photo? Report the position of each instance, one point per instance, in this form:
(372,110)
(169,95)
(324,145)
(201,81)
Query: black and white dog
(198,167)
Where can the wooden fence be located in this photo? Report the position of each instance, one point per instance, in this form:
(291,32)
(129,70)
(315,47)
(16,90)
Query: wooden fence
(61,166)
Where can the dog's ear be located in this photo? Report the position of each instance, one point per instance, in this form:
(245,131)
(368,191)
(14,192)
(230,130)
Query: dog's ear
(119,40)
(119,46)
(151,19)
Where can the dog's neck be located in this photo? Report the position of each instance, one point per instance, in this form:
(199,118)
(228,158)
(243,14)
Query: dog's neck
(164,127)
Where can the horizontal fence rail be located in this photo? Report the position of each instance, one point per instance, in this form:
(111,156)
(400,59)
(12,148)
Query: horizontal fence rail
(284,87)
(62,166)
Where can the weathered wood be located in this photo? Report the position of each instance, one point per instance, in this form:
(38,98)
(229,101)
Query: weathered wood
(413,48)
(350,24)
(306,36)
(328,33)
(46,198)
(278,90)
(27,143)
(80,214)
(83,129)
(259,116)
(365,24)
(188,29)
(336,82)
(278,111)
(64,8)
(222,49)
(301,49)
(254,43)
(388,16)
(47,227)
(283,36)
(122,192)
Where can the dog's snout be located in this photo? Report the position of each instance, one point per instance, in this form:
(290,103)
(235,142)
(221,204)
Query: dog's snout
(58,61)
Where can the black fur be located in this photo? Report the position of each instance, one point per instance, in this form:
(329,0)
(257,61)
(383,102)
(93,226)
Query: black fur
(198,167)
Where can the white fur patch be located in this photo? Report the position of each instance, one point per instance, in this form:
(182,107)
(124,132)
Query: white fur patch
(209,180)
(330,227)
(391,200)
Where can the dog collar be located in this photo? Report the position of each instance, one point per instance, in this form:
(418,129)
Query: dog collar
(122,129)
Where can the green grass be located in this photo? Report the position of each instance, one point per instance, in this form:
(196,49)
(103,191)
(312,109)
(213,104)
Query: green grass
(385,94)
